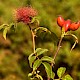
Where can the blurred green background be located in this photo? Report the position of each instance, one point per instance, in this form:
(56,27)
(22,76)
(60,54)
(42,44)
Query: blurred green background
(15,50)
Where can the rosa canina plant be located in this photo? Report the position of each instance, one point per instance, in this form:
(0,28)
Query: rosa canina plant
(28,16)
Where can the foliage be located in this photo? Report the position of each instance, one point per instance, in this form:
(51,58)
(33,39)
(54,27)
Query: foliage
(14,51)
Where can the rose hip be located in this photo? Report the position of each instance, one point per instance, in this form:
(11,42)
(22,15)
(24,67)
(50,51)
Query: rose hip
(74,26)
(60,21)
(66,25)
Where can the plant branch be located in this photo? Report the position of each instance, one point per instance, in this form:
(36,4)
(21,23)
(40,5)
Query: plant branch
(59,45)
(76,40)
(58,48)
(33,38)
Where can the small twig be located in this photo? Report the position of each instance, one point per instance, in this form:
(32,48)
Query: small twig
(76,40)
(73,46)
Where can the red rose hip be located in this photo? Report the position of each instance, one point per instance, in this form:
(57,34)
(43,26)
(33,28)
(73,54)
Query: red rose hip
(74,26)
(60,21)
(66,25)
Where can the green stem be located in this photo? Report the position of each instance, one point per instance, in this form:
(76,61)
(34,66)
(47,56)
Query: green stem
(33,38)
(76,40)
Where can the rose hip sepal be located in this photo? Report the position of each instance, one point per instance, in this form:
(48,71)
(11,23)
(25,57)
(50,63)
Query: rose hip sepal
(74,26)
(60,21)
(66,25)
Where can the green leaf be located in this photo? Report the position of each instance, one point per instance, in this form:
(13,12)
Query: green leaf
(41,29)
(31,59)
(33,20)
(52,75)
(61,71)
(47,58)
(13,26)
(48,69)
(30,74)
(39,77)
(30,56)
(67,77)
(5,32)
(36,64)
(40,51)
(42,32)
(4,26)
(1,27)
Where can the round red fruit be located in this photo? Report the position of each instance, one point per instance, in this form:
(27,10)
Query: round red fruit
(74,26)
(60,21)
(66,25)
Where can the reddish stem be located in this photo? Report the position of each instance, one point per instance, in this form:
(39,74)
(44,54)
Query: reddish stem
(58,48)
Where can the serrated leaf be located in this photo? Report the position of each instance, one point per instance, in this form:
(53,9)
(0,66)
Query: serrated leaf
(67,77)
(48,69)
(47,58)
(61,71)
(40,51)
(36,64)
(5,32)
(31,59)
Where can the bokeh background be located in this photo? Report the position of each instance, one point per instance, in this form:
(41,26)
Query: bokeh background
(15,50)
